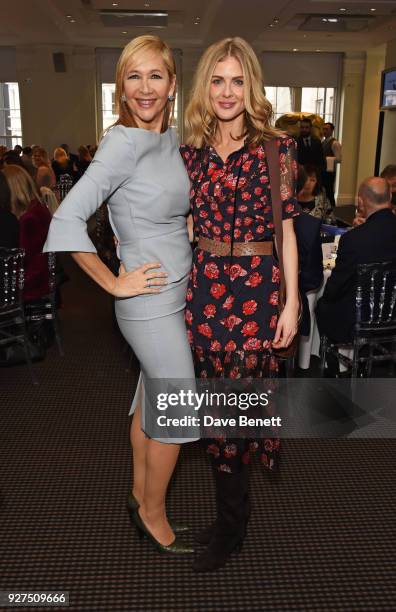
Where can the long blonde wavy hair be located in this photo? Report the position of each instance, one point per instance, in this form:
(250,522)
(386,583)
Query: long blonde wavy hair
(147,42)
(201,121)
(22,187)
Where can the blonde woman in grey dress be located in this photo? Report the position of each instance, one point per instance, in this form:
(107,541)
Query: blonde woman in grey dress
(139,171)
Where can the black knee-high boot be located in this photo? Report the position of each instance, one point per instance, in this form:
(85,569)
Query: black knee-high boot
(229,529)
(204,536)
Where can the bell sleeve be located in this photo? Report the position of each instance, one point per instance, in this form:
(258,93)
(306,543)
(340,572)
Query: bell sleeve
(111,167)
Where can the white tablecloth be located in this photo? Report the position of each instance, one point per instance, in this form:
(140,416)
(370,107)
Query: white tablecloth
(310,345)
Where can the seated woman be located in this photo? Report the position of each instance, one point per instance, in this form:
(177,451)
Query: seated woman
(9,227)
(312,197)
(45,176)
(307,229)
(34,220)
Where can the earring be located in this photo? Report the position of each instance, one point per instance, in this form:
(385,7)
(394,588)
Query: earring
(123,98)
(171,98)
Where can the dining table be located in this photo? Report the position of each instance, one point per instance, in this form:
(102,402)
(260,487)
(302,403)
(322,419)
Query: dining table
(310,345)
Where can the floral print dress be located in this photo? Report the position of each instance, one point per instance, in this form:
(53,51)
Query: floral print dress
(231,311)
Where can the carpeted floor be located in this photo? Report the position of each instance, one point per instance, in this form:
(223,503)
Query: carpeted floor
(322,535)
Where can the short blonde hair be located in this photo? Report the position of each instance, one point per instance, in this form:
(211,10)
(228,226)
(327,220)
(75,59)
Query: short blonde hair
(147,42)
(60,154)
(200,119)
(22,187)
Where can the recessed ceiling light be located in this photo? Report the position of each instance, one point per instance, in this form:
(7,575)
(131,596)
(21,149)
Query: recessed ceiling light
(324,19)
(124,32)
(317,50)
(333,20)
(373,9)
(343,10)
(147,5)
(69,16)
(115,3)
(271,25)
(72,21)
(295,49)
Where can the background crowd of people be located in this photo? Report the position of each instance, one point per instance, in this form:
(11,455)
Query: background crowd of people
(31,189)
(32,185)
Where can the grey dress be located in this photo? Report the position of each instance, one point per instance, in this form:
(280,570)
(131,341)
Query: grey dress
(141,176)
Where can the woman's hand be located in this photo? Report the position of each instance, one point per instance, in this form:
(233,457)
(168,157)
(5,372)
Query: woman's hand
(140,281)
(287,326)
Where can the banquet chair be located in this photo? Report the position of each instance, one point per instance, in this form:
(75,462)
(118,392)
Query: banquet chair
(45,308)
(13,327)
(375,327)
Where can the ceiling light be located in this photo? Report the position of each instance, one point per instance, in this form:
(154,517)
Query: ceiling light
(147,5)
(333,20)
(115,3)
(276,19)
(373,9)
(343,10)
(69,16)
(72,21)
(295,49)
(124,32)
(317,50)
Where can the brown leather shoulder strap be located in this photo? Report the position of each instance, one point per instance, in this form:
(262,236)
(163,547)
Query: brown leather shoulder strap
(272,154)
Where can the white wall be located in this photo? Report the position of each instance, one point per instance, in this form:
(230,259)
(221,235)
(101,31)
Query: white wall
(370,112)
(57,107)
(388,153)
(350,128)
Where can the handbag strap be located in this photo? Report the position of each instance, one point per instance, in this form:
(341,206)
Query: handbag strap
(272,154)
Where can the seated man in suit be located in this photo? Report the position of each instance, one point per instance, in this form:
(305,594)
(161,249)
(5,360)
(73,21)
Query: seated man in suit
(373,241)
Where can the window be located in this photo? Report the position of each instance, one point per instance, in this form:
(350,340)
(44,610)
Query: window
(10,115)
(108,105)
(319,100)
(281,99)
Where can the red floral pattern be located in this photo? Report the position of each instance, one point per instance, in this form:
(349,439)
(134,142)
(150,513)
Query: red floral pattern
(232,301)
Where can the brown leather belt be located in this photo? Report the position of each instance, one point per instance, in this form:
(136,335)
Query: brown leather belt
(240,249)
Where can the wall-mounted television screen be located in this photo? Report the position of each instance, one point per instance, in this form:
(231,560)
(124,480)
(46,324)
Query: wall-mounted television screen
(388,89)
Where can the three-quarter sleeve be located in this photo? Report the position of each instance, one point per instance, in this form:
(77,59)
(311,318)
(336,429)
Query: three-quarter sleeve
(288,177)
(112,166)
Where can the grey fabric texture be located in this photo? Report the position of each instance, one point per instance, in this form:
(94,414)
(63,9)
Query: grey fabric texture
(141,175)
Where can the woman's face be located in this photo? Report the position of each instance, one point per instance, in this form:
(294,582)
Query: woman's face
(37,159)
(147,86)
(310,185)
(226,89)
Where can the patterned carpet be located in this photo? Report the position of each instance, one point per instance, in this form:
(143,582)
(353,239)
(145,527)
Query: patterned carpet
(322,535)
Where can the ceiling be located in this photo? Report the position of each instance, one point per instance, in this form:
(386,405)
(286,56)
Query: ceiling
(303,25)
